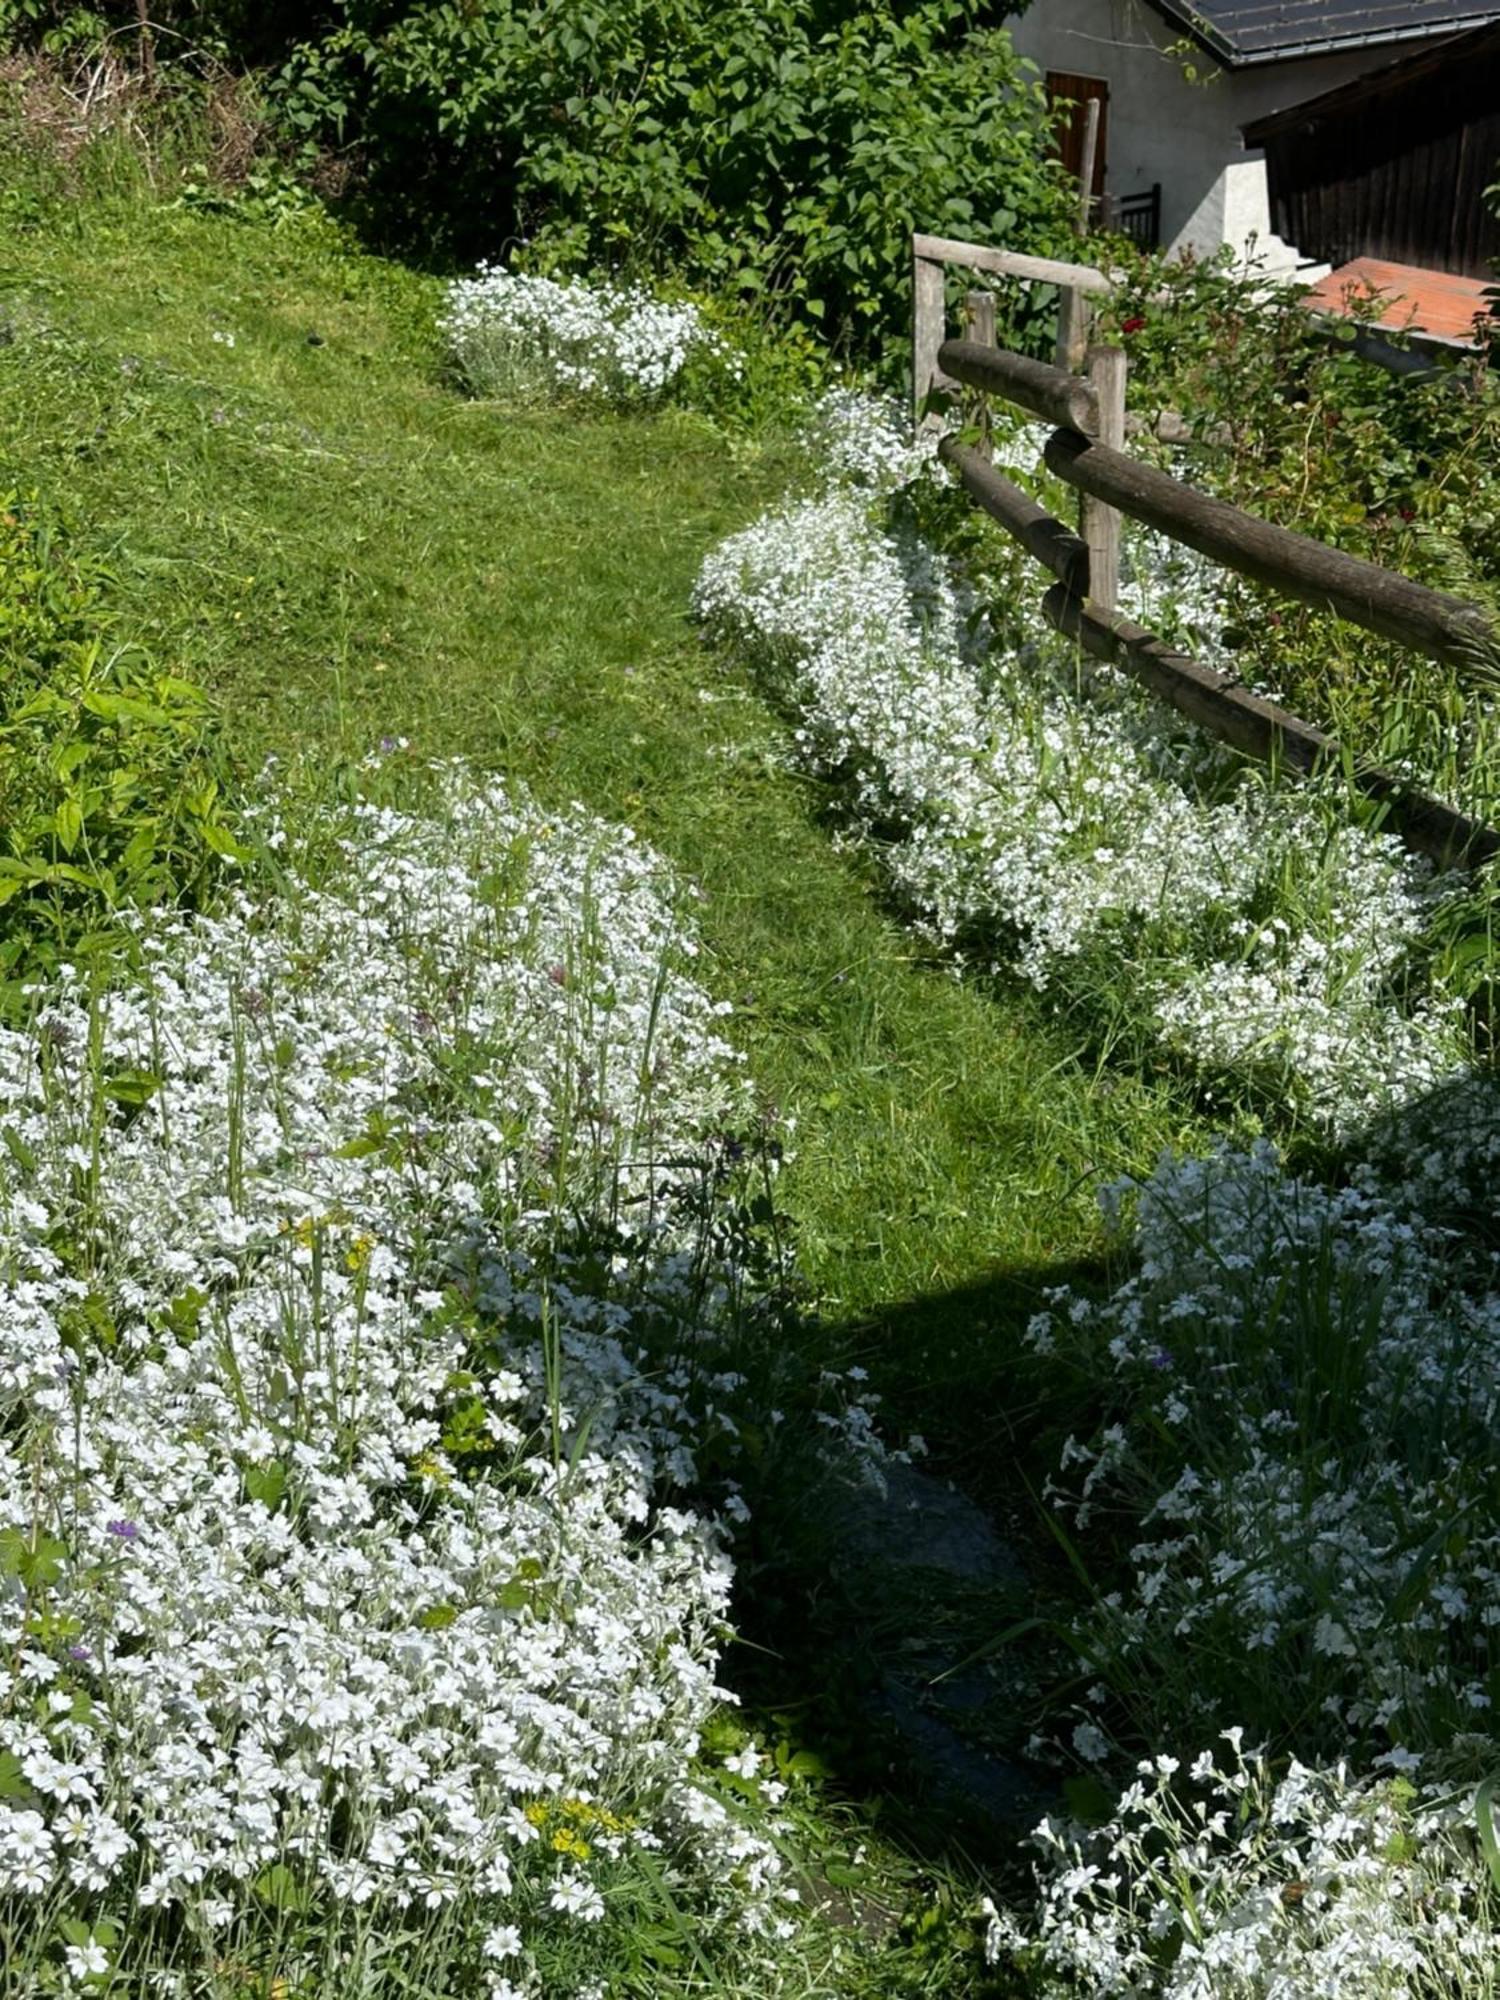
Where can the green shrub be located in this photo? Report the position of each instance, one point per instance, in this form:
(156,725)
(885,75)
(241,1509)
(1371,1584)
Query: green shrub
(1295,426)
(252,31)
(774,150)
(109,792)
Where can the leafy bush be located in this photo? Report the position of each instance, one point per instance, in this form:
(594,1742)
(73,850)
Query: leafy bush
(1297,427)
(109,794)
(253,31)
(772,149)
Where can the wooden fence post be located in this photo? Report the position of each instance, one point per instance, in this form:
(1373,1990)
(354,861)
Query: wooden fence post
(979,311)
(1100,524)
(1073,311)
(928,312)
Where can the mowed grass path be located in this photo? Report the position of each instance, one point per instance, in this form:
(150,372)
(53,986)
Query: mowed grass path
(253,425)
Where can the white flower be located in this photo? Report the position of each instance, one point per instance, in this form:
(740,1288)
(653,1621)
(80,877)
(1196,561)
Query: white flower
(329,1254)
(512,333)
(503,1942)
(1091,1743)
(575,1896)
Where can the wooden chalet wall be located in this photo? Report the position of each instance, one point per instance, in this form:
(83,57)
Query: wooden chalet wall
(1396,164)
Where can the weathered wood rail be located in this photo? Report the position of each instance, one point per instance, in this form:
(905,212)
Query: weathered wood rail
(1085,450)
(1429,621)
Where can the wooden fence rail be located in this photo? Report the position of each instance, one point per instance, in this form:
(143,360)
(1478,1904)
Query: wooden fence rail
(1047,392)
(1237,716)
(1085,451)
(1429,621)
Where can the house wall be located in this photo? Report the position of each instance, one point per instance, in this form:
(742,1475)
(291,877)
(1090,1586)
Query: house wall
(1162,127)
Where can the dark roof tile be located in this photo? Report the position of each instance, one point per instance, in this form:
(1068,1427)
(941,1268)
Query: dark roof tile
(1241,32)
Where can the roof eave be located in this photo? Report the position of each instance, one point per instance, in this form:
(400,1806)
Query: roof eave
(1226,53)
(1203,32)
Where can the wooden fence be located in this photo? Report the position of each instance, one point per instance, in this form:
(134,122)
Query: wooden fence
(1086,451)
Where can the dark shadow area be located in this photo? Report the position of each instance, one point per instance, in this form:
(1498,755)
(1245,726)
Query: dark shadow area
(907,1631)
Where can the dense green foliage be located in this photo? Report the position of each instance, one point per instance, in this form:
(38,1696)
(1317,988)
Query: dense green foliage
(246,31)
(108,789)
(785,149)
(1291,423)
(778,152)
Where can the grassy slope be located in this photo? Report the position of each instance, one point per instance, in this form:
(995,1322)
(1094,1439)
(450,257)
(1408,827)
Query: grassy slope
(342,549)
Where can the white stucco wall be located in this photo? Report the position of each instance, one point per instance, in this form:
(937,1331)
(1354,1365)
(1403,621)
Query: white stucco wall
(1185,134)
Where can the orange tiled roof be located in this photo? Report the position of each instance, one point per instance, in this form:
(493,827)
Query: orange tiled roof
(1416,301)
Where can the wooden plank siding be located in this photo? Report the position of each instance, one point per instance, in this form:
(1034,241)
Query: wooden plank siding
(1396,164)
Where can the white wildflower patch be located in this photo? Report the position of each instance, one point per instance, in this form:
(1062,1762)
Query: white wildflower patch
(860,440)
(512,334)
(1017,809)
(334,1571)
(1304,1385)
(1290,1431)
(1243,1885)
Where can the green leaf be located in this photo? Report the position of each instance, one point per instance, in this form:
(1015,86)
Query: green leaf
(37,1560)
(13,1783)
(68,819)
(267,1484)
(804,1764)
(359,1149)
(438,1618)
(133,1087)
(279,1889)
(222,841)
(124,708)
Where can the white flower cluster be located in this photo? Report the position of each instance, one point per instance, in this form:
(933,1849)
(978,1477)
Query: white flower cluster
(859,440)
(1303,1386)
(1225,1883)
(1264,933)
(335,1571)
(510,334)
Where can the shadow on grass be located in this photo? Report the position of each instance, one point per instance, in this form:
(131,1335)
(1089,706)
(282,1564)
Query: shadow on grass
(914,1641)
(909,1640)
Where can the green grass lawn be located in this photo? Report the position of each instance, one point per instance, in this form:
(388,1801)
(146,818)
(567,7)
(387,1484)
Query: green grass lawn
(310,522)
(254,427)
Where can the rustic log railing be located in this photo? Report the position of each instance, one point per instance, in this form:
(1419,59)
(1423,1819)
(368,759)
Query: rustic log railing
(1085,451)
(1429,621)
